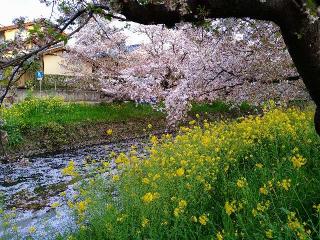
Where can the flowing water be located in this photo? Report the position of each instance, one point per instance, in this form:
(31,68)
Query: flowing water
(31,186)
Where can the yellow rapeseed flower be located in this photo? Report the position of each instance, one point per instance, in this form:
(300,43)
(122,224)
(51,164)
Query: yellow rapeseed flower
(55,204)
(263,190)
(261,208)
(115,178)
(70,169)
(242,182)
(82,206)
(154,140)
(285,184)
(122,158)
(177,212)
(317,208)
(145,222)
(269,234)
(203,219)
(297,227)
(230,207)
(149,197)
(180,172)
(298,161)
(259,165)
(106,164)
(219,236)
(32,230)
(109,132)
(192,122)
(182,203)
(145,180)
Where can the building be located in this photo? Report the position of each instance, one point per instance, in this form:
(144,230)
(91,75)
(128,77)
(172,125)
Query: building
(9,33)
(52,60)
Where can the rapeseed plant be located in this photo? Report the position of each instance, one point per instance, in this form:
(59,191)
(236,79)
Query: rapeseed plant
(250,178)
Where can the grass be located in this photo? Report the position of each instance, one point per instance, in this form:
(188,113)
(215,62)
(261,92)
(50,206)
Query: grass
(217,106)
(52,114)
(36,112)
(40,113)
(251,178)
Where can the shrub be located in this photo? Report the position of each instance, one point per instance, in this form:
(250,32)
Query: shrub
(21,115)
(251,178)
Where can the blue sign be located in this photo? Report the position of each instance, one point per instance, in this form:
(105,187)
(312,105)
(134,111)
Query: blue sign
(39,75)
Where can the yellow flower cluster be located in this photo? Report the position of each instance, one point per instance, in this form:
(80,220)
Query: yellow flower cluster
(109,132)
(180,172)
(230,207)
(269,234)
(203,219)
(242,182)
(181,208)
(298,161)
(261,208)
(32,229)
(236,162)
(150,197)
(285,184)
(317,208)
(145,222)
(70,169)
(297,227)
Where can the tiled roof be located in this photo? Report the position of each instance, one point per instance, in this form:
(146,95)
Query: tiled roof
(11,27)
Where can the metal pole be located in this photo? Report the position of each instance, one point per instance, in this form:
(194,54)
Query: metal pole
(40,88)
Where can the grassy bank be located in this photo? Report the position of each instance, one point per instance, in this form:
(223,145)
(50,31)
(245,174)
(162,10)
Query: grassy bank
(250,178)
(51,123)
(56,122)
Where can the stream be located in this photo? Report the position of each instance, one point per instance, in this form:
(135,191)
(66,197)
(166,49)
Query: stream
(31,186)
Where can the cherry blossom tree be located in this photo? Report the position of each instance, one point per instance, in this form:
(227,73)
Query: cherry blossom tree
(298,21)
(225,59)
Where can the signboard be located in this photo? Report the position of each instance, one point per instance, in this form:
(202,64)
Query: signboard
(39,75)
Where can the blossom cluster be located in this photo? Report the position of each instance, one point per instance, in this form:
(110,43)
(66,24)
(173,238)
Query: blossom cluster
(228,60)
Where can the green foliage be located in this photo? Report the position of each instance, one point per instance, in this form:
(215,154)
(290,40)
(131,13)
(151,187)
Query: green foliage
(51,114)
(216,106)
(245,106)
(251,178)
(312,6)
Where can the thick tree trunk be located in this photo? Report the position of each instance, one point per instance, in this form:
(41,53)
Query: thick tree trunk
(303,41)
(301,37)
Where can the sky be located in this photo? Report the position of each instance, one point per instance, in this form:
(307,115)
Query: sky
(10,9)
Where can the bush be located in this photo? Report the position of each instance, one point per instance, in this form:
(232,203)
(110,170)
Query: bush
(21,116)
(252,178)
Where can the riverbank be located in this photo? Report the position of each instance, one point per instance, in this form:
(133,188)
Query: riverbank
(40,126)
(35,192)
(50,125)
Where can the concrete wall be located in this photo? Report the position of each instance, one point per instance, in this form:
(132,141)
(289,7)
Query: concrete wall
(53,64)
(68,95)
(10,34)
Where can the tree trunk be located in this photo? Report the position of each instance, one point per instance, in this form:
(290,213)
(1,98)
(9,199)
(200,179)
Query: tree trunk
(303,42)
(301,37)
